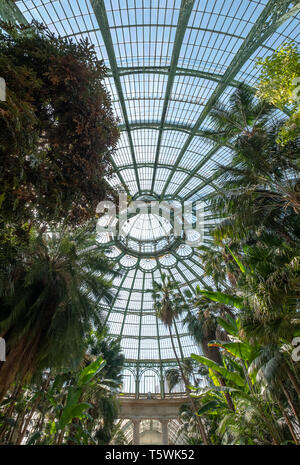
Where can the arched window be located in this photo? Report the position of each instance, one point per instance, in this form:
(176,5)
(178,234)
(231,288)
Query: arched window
(149,382)
(128,382)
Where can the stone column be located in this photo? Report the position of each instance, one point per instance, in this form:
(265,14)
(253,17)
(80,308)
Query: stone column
(164,426)
(136,431)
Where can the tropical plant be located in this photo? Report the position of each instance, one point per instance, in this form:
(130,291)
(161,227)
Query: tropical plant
(279,85)
(219,264)
(57,129)
(169,304)
(253,261)
(260,186)
(49,302)
(67,406)
(250,378)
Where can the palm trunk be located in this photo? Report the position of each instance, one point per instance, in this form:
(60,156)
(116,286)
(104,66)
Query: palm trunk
(33,409)
(23,429)
(41,421)
(226,394)
(291,404)
(288,422)
(293,379)
(9,411)
(19,362)
(16,431)
(226,310)
(213,353)
(201,426)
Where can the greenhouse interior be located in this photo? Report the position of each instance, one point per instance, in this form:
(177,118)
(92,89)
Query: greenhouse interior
(150,222)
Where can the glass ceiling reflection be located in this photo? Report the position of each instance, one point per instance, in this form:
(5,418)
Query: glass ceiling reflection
(168,62)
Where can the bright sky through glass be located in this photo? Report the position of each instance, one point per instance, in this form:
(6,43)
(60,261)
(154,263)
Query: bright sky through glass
(168,62)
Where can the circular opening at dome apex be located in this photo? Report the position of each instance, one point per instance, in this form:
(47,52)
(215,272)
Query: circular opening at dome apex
(146,227)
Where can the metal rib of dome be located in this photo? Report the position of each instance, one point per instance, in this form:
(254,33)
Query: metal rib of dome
(169,62)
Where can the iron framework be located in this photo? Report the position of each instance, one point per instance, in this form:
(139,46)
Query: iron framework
(169,62)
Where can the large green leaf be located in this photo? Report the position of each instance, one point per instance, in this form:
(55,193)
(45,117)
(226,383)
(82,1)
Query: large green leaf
(229,375)
(73,411)
(88,373)
(34,438)
(53,428)
(238,349)
(209,407)
(74,394)
(230,325)
(238,262)
(223,298)
(214,378)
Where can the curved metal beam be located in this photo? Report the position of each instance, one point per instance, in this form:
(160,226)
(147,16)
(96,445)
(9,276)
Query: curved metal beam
(171,127)
(101,16)
(206,181)
(184,16)
(273,15)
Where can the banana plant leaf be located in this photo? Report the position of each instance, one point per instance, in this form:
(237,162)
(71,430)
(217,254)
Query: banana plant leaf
(231,376)
(209,408)
(73,411)
(222,298)
(238,262)
(238,349)
(230,325)
(90,371)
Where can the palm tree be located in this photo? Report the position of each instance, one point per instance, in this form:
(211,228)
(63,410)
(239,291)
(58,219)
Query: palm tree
(205,328)
(271,367)
(50,301)
(41,403)
(173,375)
(187,432)
(219,264)
(243,116)
(168,305)
(261,186)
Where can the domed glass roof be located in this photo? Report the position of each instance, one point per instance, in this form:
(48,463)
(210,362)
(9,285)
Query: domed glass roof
(169,62)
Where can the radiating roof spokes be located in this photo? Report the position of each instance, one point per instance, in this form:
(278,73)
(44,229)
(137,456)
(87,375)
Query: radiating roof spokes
(169,62)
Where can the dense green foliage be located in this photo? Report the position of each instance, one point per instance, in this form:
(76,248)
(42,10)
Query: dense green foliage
(60,381)
(57,130)
(279,84)
(62,372)
(75,406)
(49,296)
(246,326)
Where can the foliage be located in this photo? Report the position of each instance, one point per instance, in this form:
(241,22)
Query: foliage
(169,303)
(251,378)
(57,135)
(76,406)
(57,129)
(251,316)
(260,186)
(278,73)
(279,85)
(49,302)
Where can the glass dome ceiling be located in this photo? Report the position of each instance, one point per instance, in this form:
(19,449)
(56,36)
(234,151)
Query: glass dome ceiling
(169,61)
